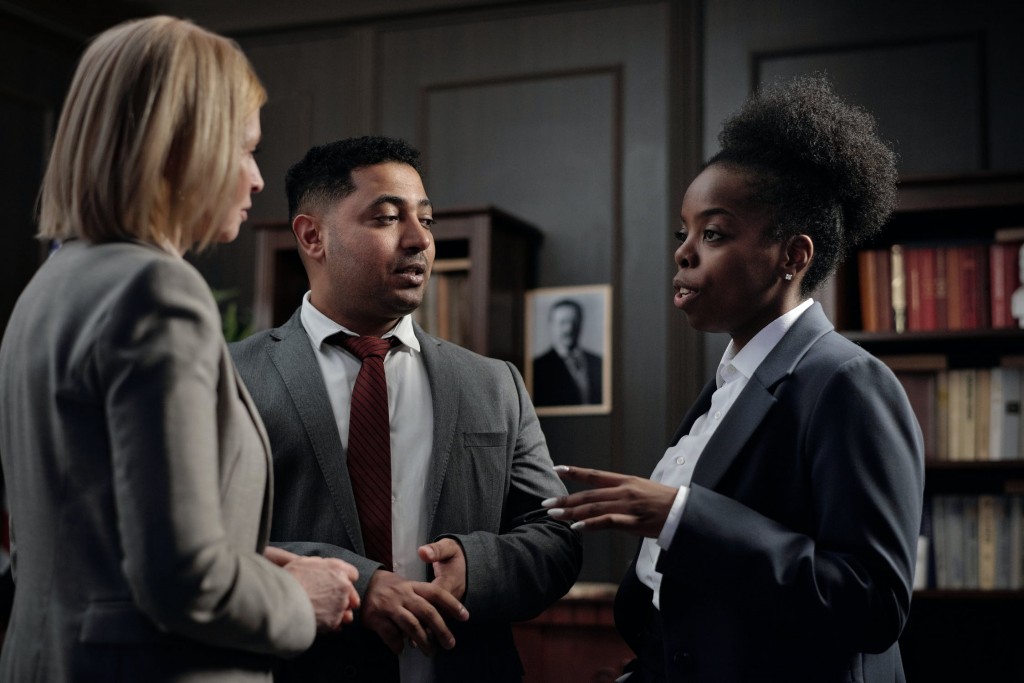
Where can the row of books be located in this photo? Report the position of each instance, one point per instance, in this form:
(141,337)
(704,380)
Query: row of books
(968,414)
(973,542)
(941,287)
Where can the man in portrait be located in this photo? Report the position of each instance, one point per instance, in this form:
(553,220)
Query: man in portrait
(567,374)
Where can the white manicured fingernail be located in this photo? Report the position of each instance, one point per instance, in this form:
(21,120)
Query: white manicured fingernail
(561,468)
(556,512)
(576,526)
(548,502)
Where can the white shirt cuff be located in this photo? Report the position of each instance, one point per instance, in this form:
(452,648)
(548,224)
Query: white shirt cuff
(675,513)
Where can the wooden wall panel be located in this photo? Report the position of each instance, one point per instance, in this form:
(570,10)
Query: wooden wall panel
(929,98)
(567,125)
(955,51)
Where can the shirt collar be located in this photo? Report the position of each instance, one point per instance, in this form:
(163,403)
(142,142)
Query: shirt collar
(319,326)
(745,362)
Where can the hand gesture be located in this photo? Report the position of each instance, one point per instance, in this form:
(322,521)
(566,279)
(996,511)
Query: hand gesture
(632,504)
(449,565)
(327,582)
(396,608)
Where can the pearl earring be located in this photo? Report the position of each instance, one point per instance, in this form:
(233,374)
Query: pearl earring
(788,276)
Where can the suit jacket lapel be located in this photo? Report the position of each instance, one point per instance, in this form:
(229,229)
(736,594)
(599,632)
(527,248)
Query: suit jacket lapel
(294,358)
(757,398)
(444,393)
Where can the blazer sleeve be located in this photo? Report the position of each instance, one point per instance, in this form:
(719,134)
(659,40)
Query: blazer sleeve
(159,362)
(534,559)
(846,573)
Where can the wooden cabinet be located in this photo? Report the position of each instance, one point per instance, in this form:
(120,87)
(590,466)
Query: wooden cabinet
(486,260)
(957,630)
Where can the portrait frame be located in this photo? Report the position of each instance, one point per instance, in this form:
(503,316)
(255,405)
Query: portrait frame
(595,339)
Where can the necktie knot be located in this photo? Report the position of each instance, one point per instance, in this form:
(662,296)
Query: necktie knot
(365,347)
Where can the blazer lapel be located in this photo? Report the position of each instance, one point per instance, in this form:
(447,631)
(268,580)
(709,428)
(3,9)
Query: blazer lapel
(444,393)
(757,398)
(293,356)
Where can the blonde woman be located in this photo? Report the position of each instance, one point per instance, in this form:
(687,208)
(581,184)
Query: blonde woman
(137,469)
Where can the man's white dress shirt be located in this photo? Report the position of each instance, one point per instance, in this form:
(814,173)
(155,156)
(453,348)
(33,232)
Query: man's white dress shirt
(411,412)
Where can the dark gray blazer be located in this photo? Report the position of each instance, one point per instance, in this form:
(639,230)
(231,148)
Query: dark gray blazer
(489,473)
(795,553)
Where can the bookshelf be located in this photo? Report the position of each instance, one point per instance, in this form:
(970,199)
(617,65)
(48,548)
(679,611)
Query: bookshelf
(974,488)
(485,261)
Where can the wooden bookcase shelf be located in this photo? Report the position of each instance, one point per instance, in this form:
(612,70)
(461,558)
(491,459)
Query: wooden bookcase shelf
(961,348)
(983,627)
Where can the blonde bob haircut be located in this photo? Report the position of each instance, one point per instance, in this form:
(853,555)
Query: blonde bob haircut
(149,142)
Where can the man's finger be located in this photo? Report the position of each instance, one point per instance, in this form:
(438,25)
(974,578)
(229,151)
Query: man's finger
(439,551)
(392,637)
(437,633)
(410,624)
(442,600)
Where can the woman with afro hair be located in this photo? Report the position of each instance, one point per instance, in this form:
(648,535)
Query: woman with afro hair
(780,527)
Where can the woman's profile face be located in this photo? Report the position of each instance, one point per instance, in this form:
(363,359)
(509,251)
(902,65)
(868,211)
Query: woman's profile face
(249,182)
(729,272)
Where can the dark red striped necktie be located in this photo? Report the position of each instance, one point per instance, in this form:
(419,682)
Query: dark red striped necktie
(369,444)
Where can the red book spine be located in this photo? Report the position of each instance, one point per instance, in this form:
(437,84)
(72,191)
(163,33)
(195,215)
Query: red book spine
(953,291)
(927,257)
(984,292)
(974,280)
(941,295)
(883,304)
(868,297)
(912,269)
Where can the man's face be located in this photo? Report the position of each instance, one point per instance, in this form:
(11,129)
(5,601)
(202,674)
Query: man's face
(565,326)
(378,250)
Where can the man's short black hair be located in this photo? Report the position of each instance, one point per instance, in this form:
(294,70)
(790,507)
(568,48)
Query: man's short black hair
(324,174)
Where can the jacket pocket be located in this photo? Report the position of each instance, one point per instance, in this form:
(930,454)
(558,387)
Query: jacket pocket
(484,439)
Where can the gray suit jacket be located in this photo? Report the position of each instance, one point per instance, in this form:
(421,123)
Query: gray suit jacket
(490,471)
(794,556)
(138,479)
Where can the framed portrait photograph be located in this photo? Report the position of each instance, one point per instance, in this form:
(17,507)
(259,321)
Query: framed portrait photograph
(568,349)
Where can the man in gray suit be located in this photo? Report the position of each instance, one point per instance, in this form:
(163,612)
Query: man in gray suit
(472,548)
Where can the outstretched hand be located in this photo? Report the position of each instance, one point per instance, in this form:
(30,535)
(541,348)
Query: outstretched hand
(616,501)
(449,565)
